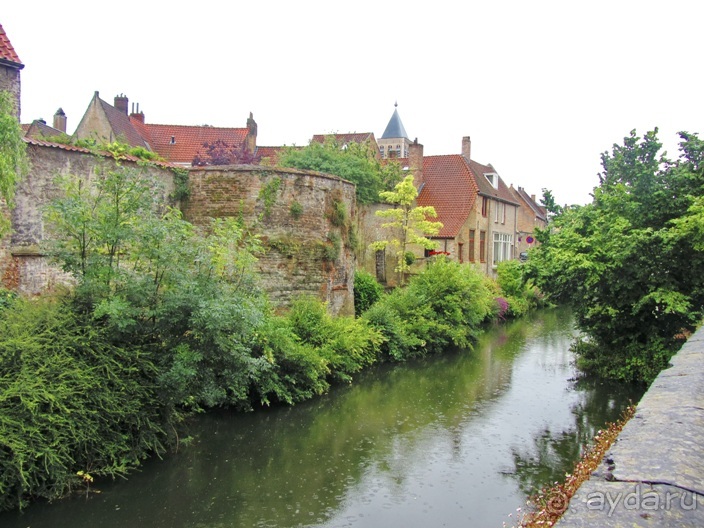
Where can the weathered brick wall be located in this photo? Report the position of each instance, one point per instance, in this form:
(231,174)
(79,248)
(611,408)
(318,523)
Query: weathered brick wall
(23,266)
(294,212)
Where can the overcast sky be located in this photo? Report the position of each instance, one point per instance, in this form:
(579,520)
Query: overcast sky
(542,87)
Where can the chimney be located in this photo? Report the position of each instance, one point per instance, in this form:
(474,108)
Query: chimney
(251,139)
(121,103)
(415,162)
(60,120)
(466,147)
(532,197)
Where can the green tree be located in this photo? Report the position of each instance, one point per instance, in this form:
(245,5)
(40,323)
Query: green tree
(409,221)
(13,155)
(631,262)
(355,162)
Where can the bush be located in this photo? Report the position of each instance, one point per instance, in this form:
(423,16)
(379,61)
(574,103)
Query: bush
(367,291)
(346,344)
(443,305)
(70,402)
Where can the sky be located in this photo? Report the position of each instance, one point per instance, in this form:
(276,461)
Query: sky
(543,88)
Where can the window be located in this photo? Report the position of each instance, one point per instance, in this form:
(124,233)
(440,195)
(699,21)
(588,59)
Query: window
(459,252)
(482,246)
(500,212)
(493,179)
(485,206)
(471,245)
(502,247)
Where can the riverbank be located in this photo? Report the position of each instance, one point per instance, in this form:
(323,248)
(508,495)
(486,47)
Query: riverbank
(654,474)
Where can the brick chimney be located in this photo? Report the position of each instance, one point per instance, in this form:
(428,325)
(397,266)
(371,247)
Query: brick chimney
(466,147)
(60,120)
(136,114)
(415,162)
(121,103)
(251,139)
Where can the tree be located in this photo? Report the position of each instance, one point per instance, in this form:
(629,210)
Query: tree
(219,152)
(13,155)
(631,262)
(355,162)
(551,206)
(411,223)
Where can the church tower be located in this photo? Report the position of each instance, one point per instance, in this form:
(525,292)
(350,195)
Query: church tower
(394,142)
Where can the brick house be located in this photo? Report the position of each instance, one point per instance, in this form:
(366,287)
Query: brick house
(531,215)
(178,144)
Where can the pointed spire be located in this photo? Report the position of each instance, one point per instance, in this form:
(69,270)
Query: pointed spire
(395,127)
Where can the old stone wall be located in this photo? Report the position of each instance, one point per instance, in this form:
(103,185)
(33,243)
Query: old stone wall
(653,475)
(10,82)
(23,266)
(307,221)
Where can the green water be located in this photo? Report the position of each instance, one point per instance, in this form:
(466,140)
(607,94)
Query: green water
(457,441)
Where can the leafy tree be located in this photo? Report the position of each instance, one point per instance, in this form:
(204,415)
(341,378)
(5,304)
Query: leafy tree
(355,162)
(13,155)
(631,262)
(551,206)
(410,222)
(220,152)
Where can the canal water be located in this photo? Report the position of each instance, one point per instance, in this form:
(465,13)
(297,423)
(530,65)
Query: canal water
(459,440)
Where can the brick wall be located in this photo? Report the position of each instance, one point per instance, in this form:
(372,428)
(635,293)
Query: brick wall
(294,211)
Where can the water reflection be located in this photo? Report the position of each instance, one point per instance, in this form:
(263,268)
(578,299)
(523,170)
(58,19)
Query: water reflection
(457,440)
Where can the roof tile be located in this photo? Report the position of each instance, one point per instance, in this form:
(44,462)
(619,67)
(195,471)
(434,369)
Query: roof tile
(450,188)
(7,52)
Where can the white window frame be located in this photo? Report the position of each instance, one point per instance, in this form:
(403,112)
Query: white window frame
(503,247)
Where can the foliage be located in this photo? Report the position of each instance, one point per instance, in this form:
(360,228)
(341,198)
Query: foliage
(519,292)
(148,277)
(296,210)
(182,190)
(550,204)
(354,162)
(267,194)
(631,261)
(345,343)
(367,291)
(411,223)
(220,152)
(13,155)
(444,305)
(70,401)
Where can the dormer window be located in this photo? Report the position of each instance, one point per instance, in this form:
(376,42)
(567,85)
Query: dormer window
(173,140)
(493,179)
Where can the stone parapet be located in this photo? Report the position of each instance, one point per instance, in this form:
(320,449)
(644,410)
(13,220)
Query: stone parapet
(654,474)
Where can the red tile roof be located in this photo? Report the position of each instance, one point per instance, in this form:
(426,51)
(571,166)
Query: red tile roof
(121,125)
(450,188)
(187,140)
(501,193)
(7,52)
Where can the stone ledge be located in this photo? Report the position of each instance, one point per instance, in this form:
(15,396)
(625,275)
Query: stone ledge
(656,461)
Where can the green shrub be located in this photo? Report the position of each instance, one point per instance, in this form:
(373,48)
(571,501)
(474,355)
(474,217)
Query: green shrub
(346,344)
(367,291)
(444,305)
(69,402)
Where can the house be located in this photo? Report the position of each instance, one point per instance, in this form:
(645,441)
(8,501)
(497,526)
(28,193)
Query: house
(475,206)
(178,144)
(38,129)
(10,67)
(531,215)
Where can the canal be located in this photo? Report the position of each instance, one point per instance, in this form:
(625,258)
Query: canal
(458,440)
